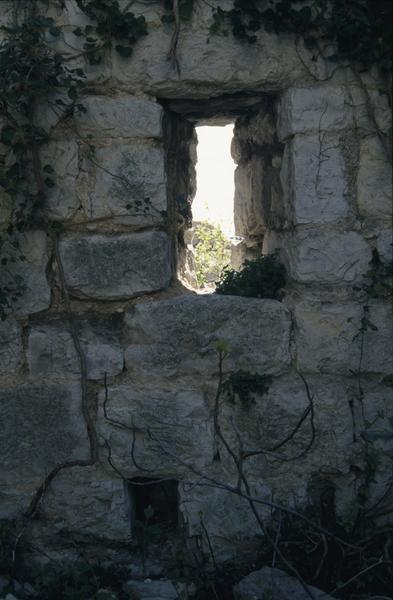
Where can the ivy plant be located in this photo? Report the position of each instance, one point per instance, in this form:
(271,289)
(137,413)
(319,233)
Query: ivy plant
(246,386)
(264,277)
(359,30)
(113,28)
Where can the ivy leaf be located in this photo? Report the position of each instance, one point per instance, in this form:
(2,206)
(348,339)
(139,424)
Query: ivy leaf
(48,169)
(124,51)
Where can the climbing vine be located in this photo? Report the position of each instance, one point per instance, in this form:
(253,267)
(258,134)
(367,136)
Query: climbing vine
(29,72)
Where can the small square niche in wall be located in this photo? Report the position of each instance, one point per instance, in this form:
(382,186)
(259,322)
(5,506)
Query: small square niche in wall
(154,504)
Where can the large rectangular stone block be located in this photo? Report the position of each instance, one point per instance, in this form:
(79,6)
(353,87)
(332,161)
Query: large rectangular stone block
(41,426)
(321,256)
(127,182)
(120,116)
(313,179)
(176,338)
(84,503)
(169,422)
(374,183)
(116,267)
(313,110)
(223,65)
(51,353)
(328,338)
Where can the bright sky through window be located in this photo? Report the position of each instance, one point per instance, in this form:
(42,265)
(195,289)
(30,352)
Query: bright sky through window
(215,178)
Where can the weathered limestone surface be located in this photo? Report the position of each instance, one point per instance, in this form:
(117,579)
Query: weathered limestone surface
(114,267)
(51,352)
(322,256)
(178,420)
(374,182)
(41,426)
(208,64)
(366,92)
(249,180)
(276,585)
(120,117)
(28,277)
(127,182)
(313,110)
(328,338)
(176,338)
(385,245)
(313,175)
(94,510)
(217,509)
(274,417)
(11,350)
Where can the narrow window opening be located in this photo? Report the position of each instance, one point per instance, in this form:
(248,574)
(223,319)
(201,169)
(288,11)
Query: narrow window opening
(154,503)
(217,198)
(212,235)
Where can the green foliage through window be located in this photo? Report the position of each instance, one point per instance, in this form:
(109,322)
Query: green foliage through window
(212,253)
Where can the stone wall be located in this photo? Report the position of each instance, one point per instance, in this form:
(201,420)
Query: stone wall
(313,181)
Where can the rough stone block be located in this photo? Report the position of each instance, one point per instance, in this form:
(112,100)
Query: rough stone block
(328,340)
(40,427)
(127,182)
(176,338)
(227,518)
(115,267)
(221,66)
(312,110)
(94,508)
(177,418)
(51,352)
(61,200)
(11,350)
(27,277)
(313,180)
(374,184)
(275,585)
(249,213)
(153,590)
(121,116)
(363,96)
(385,245)
(322,256)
